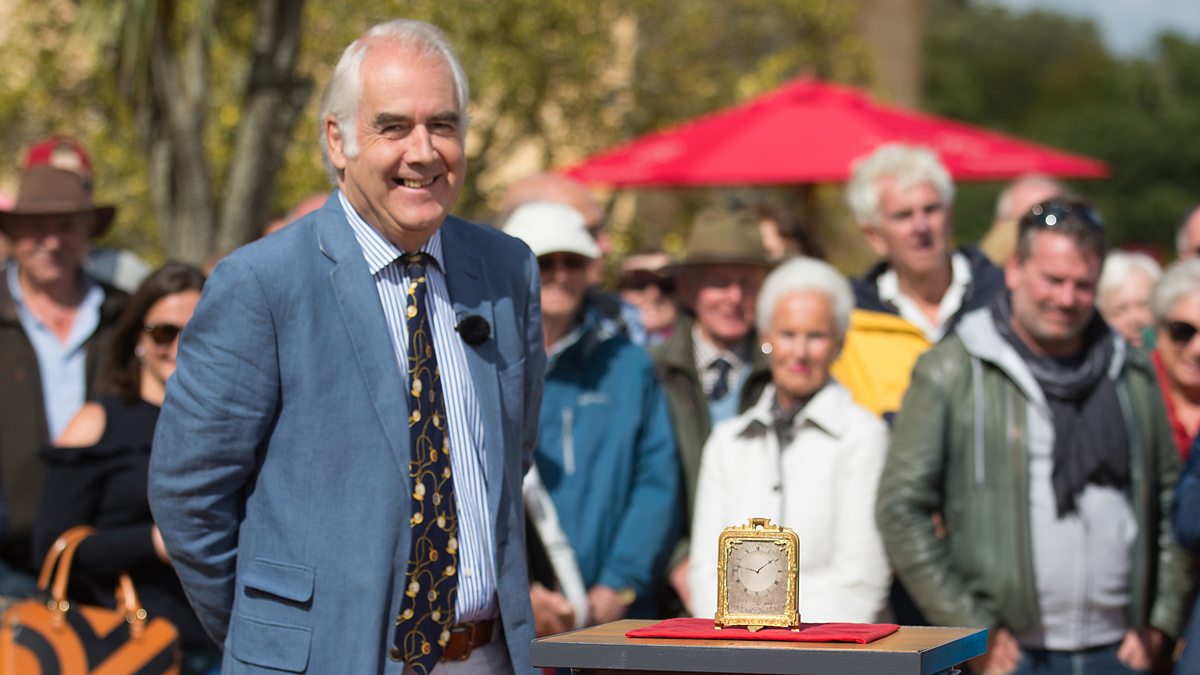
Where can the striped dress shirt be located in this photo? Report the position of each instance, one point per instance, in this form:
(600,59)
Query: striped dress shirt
(477,567)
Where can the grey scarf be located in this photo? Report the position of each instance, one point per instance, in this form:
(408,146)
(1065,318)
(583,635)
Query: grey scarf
(1090,440)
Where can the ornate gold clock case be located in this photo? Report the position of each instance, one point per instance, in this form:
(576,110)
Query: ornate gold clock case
(758,576)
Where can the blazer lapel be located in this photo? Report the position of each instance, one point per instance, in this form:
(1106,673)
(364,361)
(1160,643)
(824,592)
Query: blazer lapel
(467,281)
(370,340)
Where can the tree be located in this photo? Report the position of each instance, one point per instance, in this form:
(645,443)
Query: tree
(1049,78)
(162,52)
(202,122)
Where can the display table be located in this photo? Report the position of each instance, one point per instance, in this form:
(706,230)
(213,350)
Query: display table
(604,650)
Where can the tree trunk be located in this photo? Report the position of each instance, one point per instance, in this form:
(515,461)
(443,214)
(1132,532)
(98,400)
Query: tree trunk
(274,99)
(180,90)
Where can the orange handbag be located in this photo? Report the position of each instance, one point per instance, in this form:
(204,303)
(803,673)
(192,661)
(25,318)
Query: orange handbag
(49,635)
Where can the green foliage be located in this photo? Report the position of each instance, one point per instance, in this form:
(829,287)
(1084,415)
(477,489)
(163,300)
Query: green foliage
(552,80)
(1050,79)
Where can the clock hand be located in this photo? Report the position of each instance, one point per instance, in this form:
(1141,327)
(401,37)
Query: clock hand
(764,565)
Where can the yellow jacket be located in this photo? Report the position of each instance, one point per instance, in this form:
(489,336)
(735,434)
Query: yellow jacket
(877,359)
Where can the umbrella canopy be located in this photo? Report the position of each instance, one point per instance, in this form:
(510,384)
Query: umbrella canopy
(810,132)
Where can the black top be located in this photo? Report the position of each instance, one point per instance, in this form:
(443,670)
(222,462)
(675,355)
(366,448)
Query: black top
(104,486)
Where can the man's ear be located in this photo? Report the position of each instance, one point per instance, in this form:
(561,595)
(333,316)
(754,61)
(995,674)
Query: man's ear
(874,239)
(1012,271)
(335,142)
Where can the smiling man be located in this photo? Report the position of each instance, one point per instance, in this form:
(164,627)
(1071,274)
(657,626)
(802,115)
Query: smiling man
(54,321)
(337,469)
(606,453)
(902,196)
(712,367)
(1041,439)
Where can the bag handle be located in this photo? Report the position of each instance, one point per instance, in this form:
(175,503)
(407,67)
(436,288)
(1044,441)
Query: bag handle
(61,555)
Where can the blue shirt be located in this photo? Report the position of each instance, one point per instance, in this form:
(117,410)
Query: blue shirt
(62,365)
(477,568)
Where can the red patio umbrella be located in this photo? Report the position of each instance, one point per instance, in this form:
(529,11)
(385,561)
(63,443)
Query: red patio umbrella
(810,132)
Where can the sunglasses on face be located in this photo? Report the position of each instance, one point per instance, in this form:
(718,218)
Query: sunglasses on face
(162,334)
(1053,213)
(1180,332)
(640,280)
(567,261)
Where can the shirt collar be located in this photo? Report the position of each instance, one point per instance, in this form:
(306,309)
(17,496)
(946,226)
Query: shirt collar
(378,251)
(826,410)
(707,352)
(888,286)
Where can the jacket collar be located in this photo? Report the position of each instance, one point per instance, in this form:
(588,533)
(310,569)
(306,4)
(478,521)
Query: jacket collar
(826,411)
(981,340)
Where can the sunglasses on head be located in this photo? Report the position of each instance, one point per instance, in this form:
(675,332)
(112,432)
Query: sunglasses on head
(1180,332)
(567,261)
(162,334)
(1052,214)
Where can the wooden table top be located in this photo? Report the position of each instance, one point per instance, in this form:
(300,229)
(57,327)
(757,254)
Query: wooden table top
(912,649)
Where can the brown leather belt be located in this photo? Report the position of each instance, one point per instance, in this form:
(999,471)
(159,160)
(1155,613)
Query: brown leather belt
(466,637)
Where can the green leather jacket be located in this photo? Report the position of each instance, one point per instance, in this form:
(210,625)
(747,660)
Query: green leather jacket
(980,571)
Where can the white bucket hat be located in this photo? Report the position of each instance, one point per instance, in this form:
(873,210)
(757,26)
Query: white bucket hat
(549,227)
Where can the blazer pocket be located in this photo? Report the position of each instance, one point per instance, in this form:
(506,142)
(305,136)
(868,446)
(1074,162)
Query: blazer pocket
(270,645)
(289,582)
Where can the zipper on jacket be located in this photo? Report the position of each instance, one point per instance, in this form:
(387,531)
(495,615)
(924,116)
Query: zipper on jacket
(1020,467)
(568,441)
(980,409)
(1140,603)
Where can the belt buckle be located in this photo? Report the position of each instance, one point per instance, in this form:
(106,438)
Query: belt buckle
(469,629)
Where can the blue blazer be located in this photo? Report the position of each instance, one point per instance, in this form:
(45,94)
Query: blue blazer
(279,471)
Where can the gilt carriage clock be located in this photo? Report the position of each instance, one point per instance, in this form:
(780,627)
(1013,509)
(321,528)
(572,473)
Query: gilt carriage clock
(758,576)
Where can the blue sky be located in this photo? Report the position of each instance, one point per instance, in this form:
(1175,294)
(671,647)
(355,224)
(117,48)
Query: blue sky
(1128,26)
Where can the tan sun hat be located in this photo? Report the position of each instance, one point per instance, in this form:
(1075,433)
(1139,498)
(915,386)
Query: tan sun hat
(724,237)
(56,180)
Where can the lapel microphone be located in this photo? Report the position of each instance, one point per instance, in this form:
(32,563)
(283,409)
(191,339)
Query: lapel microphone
(474,329)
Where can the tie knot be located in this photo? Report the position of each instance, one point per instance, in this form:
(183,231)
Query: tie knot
(720,385)
(415,264)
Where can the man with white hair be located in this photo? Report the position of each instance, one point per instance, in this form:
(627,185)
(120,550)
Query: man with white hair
(1187,239)
(337,467)
(901,196)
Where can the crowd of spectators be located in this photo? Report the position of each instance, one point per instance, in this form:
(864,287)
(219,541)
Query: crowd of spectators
(959,437)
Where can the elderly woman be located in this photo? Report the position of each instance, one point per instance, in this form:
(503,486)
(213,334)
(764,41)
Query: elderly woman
(805,455)
(1176,306)
(1123,293)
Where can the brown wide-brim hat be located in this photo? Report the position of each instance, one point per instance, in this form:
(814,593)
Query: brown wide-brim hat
(723,237)
(46,191)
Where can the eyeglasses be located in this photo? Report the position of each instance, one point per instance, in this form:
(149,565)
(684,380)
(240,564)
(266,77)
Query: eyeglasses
(1054,213)
(640,280)
(1180,332)
(162,334)
(568,261)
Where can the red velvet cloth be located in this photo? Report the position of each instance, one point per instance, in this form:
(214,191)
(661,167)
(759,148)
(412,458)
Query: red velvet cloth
(703,629)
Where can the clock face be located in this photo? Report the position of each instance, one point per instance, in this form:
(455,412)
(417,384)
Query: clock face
(757,577)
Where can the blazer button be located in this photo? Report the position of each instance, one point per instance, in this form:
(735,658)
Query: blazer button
(394,653)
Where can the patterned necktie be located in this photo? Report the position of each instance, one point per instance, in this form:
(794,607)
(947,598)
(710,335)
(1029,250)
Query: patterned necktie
(721,385)
(427,611)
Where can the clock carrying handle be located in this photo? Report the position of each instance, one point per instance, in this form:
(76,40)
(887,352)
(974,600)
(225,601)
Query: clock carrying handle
(764,523)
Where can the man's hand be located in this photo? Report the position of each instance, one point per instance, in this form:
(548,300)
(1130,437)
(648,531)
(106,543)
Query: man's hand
(1138,649)
(605,604)
(679,582)
(1003,654)
(552,613)
(160,549)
